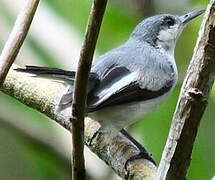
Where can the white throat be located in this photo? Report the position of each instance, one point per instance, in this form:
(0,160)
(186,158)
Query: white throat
(166,39)
(166,46)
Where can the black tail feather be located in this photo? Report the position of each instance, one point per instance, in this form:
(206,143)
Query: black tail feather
(38,70)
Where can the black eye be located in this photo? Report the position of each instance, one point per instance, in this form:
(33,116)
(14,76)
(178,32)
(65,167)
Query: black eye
(169,21)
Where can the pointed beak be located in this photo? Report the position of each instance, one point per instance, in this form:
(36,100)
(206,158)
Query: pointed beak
(191,15)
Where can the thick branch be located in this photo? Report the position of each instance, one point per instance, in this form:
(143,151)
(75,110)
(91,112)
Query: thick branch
(115,152)
(192,103)
(80,89)
(17,37)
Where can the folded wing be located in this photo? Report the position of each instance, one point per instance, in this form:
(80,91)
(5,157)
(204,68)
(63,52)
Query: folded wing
(120,86)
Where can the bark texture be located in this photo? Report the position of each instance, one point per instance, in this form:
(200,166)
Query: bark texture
(80,89)
(43,95)
(192,103)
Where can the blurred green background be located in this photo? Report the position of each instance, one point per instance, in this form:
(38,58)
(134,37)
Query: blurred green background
(32,147)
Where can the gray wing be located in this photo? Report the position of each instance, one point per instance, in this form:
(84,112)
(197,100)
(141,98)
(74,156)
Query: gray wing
(67,97)
(128,74)
(121,89)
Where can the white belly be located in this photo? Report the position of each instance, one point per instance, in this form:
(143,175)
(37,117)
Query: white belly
(118,117)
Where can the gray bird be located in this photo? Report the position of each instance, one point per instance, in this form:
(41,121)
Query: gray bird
(131,80)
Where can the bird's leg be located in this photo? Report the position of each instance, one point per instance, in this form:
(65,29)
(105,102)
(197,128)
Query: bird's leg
(143,152)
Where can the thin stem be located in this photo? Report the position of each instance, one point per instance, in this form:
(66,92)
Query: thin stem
(81,80)
(17,37)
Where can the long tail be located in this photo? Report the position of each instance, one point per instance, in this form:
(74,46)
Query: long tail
(49,73)
(63,76)
(54,74)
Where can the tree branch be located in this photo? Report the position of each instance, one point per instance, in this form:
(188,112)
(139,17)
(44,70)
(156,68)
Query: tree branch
(17,37)
(192,103)
(115,152)
(80,89)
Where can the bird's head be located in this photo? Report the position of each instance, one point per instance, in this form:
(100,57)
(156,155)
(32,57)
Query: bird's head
(162,30)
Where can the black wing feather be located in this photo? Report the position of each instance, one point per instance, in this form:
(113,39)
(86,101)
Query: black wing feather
(127,94)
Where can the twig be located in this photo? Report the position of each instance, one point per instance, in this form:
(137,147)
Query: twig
(17,37)
(192,103)
(115,152)
(81,80)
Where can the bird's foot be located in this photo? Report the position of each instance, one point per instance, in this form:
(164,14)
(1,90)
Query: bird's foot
(143,154)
